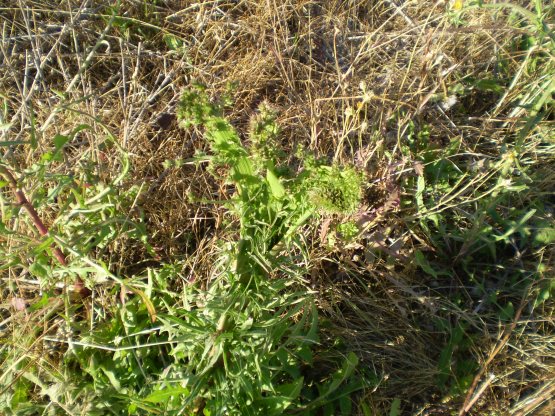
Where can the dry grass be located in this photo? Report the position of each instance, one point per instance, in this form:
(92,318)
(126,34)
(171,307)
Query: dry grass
(67,63)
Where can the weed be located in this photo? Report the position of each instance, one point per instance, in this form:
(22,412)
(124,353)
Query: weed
(238,347)
(359,222)
(270,208)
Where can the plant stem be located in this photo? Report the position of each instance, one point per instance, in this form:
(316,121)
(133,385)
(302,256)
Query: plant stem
(39,225)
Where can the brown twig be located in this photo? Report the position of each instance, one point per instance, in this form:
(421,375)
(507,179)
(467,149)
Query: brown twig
(22,200)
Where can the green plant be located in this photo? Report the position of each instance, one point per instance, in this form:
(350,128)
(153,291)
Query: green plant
(245,344)
(255,327)
(480,215)
(224,268)
(78,218)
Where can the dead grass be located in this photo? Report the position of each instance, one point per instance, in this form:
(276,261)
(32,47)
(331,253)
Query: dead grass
(69,63)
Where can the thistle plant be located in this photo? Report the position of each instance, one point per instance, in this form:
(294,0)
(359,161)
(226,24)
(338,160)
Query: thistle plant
(264,322)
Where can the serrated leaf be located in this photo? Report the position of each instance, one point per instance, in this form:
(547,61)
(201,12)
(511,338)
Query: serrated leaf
(395,409)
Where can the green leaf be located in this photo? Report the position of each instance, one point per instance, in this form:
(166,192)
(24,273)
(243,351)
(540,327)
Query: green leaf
(305,354)
(345,405)
(544,236)
(291,390)
(444,364)
(276,187)
(424,264)
(59,141)
(162,396)
(347,369)
(366,409)
(287,394)
(108,368)
(147,302)
(39,304)
(172,42)
(38,270)
(20,394)
(13,142)
(244,167)
(516,227)
(395,407)
(489,85)
(544,295)
(420,186)
(507,312)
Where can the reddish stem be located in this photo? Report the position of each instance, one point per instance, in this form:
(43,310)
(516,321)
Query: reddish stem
(39,225)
